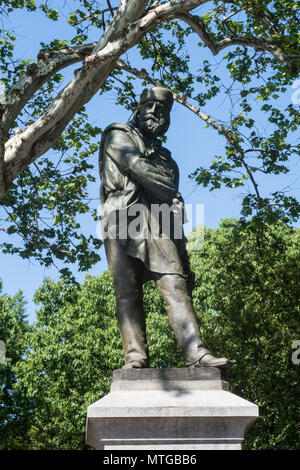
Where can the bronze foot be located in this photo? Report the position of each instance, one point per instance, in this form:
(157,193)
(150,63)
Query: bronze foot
(208,360)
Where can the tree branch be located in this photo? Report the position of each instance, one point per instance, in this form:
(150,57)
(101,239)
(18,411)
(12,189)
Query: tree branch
(142,74)
(124,31)
(110,6)
(250,174)
(225,18)
(37,73)
(128,12)
(198,26)
(264,15)
(256,43)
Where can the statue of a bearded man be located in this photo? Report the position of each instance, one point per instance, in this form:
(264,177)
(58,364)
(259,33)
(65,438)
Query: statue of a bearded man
(137,172)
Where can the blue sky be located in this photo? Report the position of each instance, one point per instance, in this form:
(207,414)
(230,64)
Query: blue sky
(190,142)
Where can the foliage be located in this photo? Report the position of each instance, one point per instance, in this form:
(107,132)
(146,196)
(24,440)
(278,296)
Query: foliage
(74,347)
(14,408)
(247,301)
(247,287)
(43,205)
(249,84)
(251,80)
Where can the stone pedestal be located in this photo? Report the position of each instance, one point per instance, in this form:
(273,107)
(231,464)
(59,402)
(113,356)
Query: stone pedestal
(169,409)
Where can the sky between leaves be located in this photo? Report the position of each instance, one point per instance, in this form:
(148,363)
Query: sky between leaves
(188,139)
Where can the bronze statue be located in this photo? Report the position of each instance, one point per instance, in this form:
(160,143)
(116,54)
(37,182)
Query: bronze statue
(138,172)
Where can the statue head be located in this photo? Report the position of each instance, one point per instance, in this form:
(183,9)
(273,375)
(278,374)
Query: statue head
(152,115)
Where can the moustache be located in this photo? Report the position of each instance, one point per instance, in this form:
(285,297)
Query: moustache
(151,117)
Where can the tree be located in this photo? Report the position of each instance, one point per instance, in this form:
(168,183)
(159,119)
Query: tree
(247,302)
(14,408)
(73,349)
(42,196)
(247,278)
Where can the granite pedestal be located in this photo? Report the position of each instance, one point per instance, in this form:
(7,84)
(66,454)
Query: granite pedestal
(169,409)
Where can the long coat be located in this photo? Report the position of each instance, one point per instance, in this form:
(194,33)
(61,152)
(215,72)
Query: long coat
(129,177)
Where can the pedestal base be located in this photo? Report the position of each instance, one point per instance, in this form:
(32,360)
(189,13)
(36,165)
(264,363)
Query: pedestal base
(169,409)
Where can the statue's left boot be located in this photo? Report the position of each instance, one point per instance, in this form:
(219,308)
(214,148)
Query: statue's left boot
(208,360)
(176,295)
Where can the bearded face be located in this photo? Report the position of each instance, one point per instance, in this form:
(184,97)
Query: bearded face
(153,119)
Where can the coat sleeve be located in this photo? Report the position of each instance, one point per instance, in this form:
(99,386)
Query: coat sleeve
(123,151)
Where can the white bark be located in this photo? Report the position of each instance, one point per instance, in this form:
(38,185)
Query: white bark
(2,173)
(48,64)
(40,136)
(128,12)
(128,25)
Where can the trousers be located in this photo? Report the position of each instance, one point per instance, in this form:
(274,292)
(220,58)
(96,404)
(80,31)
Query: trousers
(126,272)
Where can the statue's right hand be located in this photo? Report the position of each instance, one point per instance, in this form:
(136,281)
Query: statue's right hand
(153,149)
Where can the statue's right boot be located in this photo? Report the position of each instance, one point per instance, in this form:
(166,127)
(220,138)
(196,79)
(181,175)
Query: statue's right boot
(126,276)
